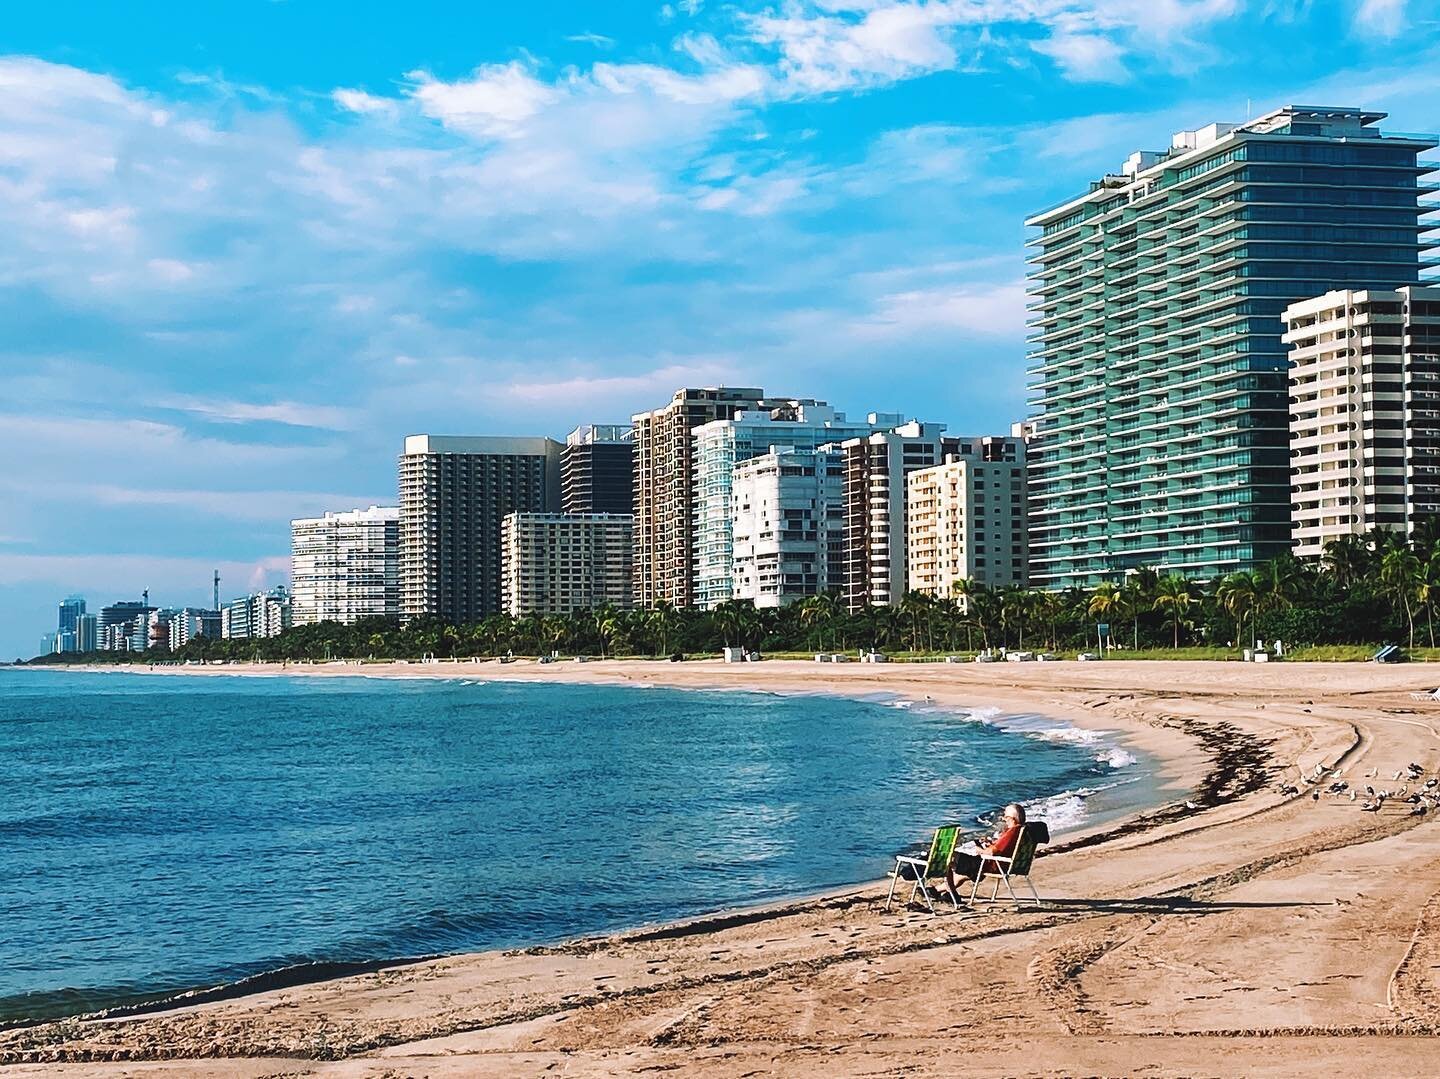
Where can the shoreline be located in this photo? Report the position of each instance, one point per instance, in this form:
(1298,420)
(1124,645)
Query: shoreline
(1257,923)
(1112,810)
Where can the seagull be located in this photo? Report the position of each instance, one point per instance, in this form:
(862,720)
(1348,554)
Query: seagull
(1396,776)
(1418,811)
(1372,773)
(1369,790)
(1315,797)
(1192,806)
(1353,796)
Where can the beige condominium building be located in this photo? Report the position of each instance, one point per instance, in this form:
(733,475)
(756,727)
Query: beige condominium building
(872,562)
(454,492)
(966,518)
(1364,413)
(665,483)
(556,563)
(345,566)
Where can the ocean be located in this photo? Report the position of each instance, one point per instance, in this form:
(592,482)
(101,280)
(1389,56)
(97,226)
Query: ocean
(164,833)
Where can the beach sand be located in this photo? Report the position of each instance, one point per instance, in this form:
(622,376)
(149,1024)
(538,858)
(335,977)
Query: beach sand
(1255,934)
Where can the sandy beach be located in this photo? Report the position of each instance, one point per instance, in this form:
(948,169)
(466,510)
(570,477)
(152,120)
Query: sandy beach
(1252,932)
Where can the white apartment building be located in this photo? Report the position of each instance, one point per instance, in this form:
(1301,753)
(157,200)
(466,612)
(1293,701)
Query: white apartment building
(260,614)
(966,519)
(789,525)
(346,566)
(556,563)
(191,622)
(1364,413)
(721,445)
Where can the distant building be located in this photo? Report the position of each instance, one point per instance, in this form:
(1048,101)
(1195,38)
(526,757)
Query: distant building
(124,627)
(556,563)
(664,486)
(260,614)
(346,566)
(188,623)
(48,645)
(66,638)
(597,469)
(965,518)
(87,633)
(1364,413)
(454,493)
(722,444)
(873,568)
(789,525)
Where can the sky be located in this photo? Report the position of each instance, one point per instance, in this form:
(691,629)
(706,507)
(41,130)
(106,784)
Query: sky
(249,246)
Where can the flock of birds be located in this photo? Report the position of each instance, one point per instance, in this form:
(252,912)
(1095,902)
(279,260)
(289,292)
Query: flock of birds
(1424,798)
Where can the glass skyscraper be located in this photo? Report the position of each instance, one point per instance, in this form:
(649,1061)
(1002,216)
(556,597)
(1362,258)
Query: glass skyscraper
(1158,373)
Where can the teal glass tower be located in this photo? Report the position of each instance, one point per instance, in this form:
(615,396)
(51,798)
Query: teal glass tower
(1158,374)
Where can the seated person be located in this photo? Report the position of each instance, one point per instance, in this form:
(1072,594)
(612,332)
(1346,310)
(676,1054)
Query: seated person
(971,865)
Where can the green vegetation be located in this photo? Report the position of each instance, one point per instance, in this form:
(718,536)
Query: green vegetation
(1366,592)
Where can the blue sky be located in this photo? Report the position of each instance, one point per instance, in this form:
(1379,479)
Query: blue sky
(249,246)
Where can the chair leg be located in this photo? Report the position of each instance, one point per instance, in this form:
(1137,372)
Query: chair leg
(995,891)
(1013,897)
(894,879)
(1031,885)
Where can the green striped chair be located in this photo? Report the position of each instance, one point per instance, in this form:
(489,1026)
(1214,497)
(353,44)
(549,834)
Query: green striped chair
(1017,866)
(942,845)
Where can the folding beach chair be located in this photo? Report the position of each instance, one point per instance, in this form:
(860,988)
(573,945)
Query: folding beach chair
(934,865)
(1004,869)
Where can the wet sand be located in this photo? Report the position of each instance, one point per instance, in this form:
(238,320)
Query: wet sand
(1257,933)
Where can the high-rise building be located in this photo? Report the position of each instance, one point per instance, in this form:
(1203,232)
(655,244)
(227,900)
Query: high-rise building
(966,518)
(66,638)
(1364,413)
(454,492)
(873,566)
(556,563)
(188,623)
(87,633)
(664,483)
(49,645)
(124,627)
(597,469)
(345,566)
(260,614)
(789,525)
(1159,373)
(722,444)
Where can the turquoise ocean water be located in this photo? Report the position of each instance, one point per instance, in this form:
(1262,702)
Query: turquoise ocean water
(164,833)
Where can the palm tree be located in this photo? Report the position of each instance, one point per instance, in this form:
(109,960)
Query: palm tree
(819,613)
(607,625)
(1428,590)
(1400,574)
(1105,602)
(1347,560)
(915,606)
(662,619)
(1172,595)
(1239,596)
(1048,607)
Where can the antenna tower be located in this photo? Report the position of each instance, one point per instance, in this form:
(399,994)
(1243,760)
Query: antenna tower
(217,591)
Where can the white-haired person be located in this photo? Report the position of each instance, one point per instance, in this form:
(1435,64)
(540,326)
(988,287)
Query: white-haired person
(971,865)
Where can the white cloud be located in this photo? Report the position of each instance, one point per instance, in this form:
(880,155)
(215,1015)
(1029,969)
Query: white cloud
(495,102)
(1380,18)
(1086,57)
(990,309)
(291,413)
(362,102)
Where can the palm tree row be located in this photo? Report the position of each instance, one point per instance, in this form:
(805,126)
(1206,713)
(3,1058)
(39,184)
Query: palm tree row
(1364,591)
